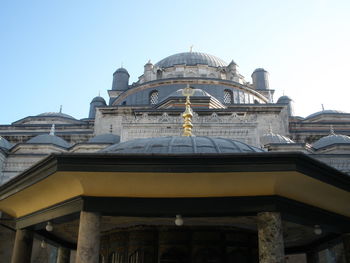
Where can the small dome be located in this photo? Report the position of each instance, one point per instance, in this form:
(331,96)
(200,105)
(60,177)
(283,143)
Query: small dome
(284,100)
(5,144)
(325,112)
(121,70)
(271,137)
(56,114)
(330,140)
(191,59)
(49,139)
(105,138)
(98,99)
(181,145)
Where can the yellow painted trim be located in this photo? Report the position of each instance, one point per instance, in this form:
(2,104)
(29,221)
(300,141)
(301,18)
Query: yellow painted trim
(65,185)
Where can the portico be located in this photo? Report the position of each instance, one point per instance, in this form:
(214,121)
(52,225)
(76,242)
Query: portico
(107,206)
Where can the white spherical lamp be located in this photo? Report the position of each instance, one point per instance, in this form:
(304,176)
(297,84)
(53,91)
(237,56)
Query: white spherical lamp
(178,220)
(317,230)
(49,227)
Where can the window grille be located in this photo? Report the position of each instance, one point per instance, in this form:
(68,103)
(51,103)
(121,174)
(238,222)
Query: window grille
(227,96)
(116,257)
(153,97)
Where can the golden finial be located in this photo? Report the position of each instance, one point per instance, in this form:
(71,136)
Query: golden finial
(188,114)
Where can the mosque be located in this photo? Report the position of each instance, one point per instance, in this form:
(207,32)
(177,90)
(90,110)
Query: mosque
(191,163)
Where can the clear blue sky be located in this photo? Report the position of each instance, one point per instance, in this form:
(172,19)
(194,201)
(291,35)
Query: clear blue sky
(65,52)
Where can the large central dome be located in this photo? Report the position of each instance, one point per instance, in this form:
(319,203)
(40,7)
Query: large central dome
(191,59)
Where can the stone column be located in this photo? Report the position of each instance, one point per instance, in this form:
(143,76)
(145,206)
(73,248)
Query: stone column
(63,255)
(89,238)
(22,249)
(271,246)
(346,244)
(312,257)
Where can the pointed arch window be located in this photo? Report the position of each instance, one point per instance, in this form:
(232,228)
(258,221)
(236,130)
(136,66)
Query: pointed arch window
(228,96)
(153,97)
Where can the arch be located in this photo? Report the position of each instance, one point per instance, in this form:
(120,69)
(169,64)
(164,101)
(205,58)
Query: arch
(191,74)
(153,97)
(228,98)
(159,74)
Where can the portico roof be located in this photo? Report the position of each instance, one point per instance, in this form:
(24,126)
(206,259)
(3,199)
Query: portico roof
(61,177)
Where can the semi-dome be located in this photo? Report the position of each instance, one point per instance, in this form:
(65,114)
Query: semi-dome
(191,59)
(181,145)
(325,112)
(330,140)
(49,139)
(105,138)
(5,144)
(55,114)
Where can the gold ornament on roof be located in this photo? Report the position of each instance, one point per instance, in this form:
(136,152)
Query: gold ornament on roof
(188,113)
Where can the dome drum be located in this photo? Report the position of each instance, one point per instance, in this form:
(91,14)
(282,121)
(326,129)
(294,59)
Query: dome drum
(240,94)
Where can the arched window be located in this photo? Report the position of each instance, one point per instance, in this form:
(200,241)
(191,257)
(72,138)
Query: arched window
(227,96)
(159,74)
(153,97)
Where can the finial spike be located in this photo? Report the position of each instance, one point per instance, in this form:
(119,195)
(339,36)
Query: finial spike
(270,129)
(191,48)
(52,131)
(99,93)
(60,108)
(188,114)
(322,107)
(121,64)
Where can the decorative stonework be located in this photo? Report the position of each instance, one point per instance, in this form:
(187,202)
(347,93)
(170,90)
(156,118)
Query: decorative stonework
(214,117)
(271,246)
(238,126)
